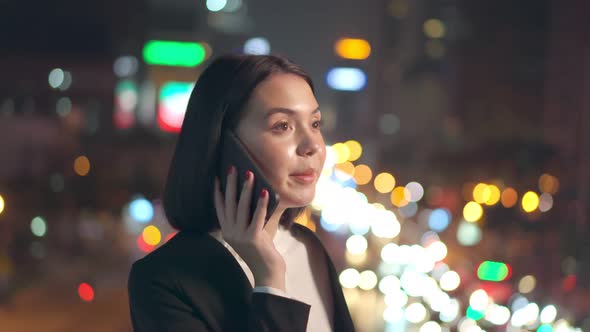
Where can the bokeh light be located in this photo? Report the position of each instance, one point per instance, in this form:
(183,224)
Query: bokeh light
(509,197)
(481,193)
(399,196)
(355,148)
(2,204)
(143,246)
(349,278)
(439,220)
(216,5)
(86,292)
(384,182)
(389,124)
(548,184)
(497,314)
(530,201)
(479,300)
(527,284)
(345,171)
(38,226)
(434,28)
(257,46)
(450,281)
(82,165)
(389,284)
(416,191)
(354,49)
(472,211)
(430,326)
(495,195)
(468,234)
(356,244)
(415,312)
(342,152)
(545,202)
(152,235)
(141,210)
(548,314)
(367,280)
(346,79)
(362,174)
(56,78)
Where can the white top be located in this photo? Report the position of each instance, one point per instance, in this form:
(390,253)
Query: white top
(306,279)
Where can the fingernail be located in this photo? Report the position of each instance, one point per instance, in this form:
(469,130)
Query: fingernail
(264,193)
(248,175)
(231,170)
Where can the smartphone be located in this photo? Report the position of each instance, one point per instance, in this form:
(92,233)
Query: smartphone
(233,152)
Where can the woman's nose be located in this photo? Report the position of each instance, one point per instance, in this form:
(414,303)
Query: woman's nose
(310,144)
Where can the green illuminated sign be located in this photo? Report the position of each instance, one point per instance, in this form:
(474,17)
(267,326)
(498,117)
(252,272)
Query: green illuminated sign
(493,271)
(173,53)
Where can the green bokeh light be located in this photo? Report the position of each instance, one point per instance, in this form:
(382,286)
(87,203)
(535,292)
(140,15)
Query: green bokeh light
(173,53)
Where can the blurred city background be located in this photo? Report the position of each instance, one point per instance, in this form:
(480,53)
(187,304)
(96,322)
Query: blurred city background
(456,192)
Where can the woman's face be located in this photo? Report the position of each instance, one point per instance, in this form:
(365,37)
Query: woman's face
(281,129)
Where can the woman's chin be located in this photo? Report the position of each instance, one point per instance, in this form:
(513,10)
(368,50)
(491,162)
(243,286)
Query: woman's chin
(295,202)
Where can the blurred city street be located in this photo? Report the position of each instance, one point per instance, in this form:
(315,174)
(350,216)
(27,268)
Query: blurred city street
(456,190)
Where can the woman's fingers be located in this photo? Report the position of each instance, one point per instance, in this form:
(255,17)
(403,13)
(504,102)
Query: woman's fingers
(230,196)
(257,224)
(243,210)
(219,205)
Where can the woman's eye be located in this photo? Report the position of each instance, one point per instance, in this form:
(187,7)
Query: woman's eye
(283,125)
(318,124)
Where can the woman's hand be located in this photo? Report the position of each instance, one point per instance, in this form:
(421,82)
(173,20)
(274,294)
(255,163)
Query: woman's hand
(248,237)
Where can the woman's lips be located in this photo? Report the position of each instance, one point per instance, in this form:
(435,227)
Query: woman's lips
(305,178)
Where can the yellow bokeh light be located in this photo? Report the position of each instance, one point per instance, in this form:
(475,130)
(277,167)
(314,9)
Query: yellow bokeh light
(1,203)
(530,201)
(305,219)
(495,195)
(355,148)
(362,174)
(384,182)
(346,167)
(509,197)
(350,48)
(342,152)
(434,28)
(399,196)
(481,193)
(548,184)
(152,235)
(82,165)
(472,211)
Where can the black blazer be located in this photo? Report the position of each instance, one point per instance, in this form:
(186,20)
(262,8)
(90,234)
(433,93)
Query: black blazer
(193,283)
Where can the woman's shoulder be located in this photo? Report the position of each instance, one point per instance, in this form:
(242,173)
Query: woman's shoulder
(186,252)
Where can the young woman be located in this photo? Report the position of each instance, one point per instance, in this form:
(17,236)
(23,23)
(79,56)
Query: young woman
(225,270)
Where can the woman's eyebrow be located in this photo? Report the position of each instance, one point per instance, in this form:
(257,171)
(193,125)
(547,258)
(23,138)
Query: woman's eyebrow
(287,111)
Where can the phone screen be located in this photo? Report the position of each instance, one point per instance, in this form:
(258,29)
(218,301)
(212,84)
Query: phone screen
(233,152)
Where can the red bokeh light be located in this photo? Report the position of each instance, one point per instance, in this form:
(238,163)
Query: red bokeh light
(143,246)
(86,292)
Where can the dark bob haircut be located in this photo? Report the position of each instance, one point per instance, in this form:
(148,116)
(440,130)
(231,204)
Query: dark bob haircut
(217,102)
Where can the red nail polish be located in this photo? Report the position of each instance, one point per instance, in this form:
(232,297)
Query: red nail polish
(264,193)
(230,170)
(248,175)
